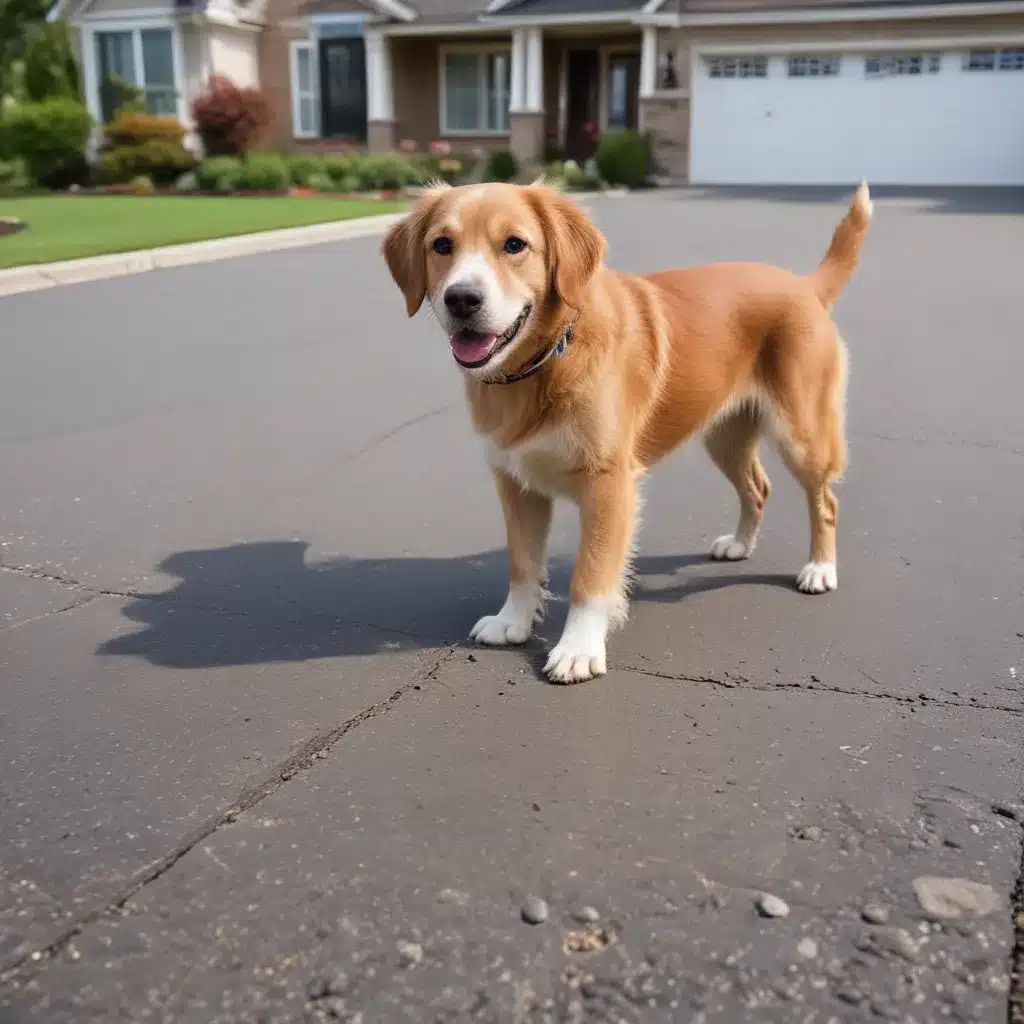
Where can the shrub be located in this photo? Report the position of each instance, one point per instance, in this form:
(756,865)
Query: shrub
(49,66)
(50,137)
(341,165)
(14,177)
(501,166)
(303,168)
(142,185)
(321,181)
(351,183)
(265,172)
(159,159)
(622,159)
(385,170)
(130,128)
(573,177)
(229,119)
(219,173)
(123,97)
(188,182)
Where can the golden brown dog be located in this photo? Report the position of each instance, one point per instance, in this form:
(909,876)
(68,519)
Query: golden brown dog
(580,378)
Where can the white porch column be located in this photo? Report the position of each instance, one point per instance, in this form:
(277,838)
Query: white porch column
(534,70)
(380,105)
(517,88)
(649,62)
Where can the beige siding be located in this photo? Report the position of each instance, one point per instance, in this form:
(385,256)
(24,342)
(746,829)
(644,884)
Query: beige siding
(234,54)
(116,9)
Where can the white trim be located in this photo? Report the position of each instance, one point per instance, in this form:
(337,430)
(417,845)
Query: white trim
(395,9)
(534,71)
(294,46)
(853,46)
(379,100)
(517,88)
(124,21)
(442,32)
(839,14)
(480,49)
(616,18)
(498,5)
(652,6)
(604,52)
(648,62)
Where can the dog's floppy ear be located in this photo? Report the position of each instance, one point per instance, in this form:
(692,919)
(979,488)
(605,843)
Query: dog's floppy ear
(576,248)
(404,251)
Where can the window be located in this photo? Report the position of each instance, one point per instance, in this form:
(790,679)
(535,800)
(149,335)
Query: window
(994,60)
(305,116)
(622,86)
(813,67)
(475,88)
(895,65)
(139,58)
(738,67)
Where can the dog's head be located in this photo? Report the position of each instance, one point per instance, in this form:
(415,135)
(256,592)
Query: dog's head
(497,263)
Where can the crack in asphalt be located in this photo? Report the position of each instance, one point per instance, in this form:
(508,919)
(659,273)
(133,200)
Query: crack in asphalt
(74,606)
(301,760)
(732,681)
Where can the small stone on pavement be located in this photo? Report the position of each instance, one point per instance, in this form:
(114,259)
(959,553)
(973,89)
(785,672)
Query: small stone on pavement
(952,898)
(534,910)
(410,953)
(587,915)
(807,948)
(875,913)
(771,906)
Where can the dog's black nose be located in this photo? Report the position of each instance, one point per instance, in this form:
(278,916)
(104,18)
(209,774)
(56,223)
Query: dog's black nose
(463,300)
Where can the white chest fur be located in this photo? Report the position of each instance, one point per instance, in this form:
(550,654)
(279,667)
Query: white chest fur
(542,463)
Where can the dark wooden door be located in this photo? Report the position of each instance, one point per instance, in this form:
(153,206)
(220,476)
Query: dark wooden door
(583,115)
(343,88)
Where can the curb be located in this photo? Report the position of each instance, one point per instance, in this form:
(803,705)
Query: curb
(97,268)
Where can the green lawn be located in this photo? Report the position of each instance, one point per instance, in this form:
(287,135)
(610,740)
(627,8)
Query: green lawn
(69,227)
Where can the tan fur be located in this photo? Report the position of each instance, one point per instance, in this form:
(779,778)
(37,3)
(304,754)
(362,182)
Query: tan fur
(732,351)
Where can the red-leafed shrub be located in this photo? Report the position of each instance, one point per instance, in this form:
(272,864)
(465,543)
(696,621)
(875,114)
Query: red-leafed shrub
(230,119)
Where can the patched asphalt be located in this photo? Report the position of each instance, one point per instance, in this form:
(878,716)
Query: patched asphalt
(252,771)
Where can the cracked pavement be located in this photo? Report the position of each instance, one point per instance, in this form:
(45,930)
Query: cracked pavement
(252,772)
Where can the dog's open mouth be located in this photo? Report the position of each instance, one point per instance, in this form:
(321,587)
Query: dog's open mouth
(473,349)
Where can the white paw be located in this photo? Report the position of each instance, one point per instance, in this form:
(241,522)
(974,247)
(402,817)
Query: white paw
(817,577)
(498,631)
(565,665)
(580,653)
(514,623)
(731,548)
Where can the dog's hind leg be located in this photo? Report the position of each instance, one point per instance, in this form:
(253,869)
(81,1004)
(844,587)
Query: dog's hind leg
(732,444)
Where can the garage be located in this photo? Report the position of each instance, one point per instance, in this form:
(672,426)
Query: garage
(895,116)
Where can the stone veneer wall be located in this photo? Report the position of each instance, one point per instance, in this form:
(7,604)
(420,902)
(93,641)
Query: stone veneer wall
(667,119)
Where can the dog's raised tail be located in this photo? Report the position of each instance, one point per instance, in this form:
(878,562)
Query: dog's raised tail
(843,254)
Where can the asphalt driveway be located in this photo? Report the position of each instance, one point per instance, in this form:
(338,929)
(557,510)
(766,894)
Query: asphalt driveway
(251,772)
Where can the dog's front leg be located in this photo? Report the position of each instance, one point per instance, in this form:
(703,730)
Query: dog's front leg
(527,524)
(598,602)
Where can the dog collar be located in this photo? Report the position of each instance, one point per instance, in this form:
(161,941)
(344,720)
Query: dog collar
(555,350)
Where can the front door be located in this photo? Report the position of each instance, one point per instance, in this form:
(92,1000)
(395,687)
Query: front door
(343,88)
(583,111)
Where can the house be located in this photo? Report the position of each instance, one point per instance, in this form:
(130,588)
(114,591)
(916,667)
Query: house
(920,92)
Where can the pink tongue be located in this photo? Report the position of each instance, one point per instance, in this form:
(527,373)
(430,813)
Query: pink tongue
(470,347)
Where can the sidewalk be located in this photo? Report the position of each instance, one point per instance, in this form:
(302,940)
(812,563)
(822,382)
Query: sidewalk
(95,268)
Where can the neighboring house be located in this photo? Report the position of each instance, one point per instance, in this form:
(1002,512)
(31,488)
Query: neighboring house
(731,91)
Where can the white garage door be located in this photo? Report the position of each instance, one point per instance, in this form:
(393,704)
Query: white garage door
(897,118)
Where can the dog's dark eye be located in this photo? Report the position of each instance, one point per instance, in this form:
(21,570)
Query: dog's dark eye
(443,246)
(514,245)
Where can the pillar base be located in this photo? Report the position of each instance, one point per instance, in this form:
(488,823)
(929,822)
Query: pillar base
(380,136)
(526,136)
(666,119)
